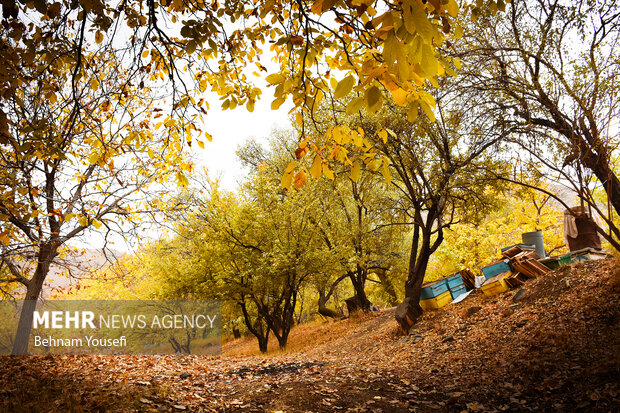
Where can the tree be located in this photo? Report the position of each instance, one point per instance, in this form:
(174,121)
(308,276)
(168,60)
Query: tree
(356,219)
(378,43)
(78,154)
(550,71)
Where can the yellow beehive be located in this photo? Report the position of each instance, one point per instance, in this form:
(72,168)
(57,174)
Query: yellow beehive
(495,285)
(436,302)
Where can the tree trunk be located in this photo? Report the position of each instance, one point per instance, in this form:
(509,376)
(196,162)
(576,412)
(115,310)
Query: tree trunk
(262,343)
(256,328)
(33,290)
(324,310)
(388,286)
(408,312)
(608,180)
(359,302)
(324,298)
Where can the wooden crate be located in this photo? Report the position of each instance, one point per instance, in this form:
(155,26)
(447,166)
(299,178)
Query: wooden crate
(433,289)
(436,302)
(456,291)
(556,262)
(495,285)
(496,268)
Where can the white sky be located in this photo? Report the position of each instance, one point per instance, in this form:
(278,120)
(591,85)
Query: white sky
(230,129)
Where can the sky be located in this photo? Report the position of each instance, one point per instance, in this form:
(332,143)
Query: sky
(230,129)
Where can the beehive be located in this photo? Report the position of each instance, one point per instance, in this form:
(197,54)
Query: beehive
(495,285)
(436,302)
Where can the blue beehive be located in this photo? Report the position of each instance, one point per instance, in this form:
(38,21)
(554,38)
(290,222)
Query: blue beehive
(454,281)
(456,291)
(455,284)
(433,289)
(496,268)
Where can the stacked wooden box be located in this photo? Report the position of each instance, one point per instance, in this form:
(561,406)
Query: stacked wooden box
(519,263)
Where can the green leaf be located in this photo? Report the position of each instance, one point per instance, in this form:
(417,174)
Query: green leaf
(344,87)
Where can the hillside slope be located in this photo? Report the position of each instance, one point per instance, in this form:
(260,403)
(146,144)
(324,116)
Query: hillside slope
(556,348)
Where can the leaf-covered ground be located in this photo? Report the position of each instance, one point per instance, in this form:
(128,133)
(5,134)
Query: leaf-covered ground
(555,348)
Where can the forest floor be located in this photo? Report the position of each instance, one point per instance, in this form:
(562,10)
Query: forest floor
(555,348)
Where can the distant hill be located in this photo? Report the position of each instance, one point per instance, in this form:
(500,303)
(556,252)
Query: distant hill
(70,269)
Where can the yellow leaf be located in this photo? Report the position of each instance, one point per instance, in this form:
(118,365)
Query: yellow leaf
(344,87)
(412,113)
(250,106)
(374,98)
(287,179)
(327,171)
(374,164)
(356,171)
(83,221)
(200,143)
(300,179)
(385,171)
(383,135)
(275,105)
(145,54)
(93,158)
(427,109)
(429,61)
(416,20)
(94,83)
(317,7)
(98,37)
(452,8)
(399,96)
(97,223)
(355,105)
(290,167)
(275,78)
(317,167)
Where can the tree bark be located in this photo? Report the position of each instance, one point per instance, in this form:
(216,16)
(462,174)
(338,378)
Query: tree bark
(359,302)
(408,312)
(47,253)
(324,310)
